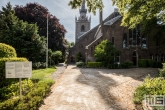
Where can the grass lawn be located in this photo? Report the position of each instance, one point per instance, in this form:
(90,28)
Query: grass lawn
(43,73)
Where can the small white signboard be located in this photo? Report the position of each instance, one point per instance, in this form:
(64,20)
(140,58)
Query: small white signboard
(18,69)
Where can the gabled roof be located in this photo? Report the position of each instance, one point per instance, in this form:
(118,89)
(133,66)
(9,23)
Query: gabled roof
(113,20)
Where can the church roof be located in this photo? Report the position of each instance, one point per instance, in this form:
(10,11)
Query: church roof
(113,20)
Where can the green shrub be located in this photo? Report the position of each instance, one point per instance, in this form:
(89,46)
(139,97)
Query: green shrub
(158,65)
(95,64)
(150,63)
(126,65)
(7,51)
(162,71)
(33,95)
(155,86)
(142,62)
(112,66)
(80,64)
(3,80)
(79,57)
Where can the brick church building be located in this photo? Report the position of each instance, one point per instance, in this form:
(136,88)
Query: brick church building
(132,44)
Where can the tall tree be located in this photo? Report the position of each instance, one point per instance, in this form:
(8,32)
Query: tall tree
(35,13)
(105,52)
(22,36)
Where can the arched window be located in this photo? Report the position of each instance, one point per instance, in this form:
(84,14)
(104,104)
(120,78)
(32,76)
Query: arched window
(124,40)
(144,42)
(82,28)
(134,36)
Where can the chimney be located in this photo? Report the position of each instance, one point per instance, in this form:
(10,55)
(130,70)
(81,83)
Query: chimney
(101,17)
(101,20)
(115,9)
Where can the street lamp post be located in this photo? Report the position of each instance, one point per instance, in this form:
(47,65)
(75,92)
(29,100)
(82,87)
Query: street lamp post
(86,54)
(47,45)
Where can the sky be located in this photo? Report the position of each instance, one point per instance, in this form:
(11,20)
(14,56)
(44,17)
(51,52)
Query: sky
(64,13)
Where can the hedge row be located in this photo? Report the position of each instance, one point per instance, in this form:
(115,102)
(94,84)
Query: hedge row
(110,66)
(7,51)
(95,64)
(149,63)
(4,81)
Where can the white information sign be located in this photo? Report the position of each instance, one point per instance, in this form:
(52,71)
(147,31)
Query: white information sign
(18,69)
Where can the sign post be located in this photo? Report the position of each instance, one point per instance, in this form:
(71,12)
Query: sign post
(20,88)
(18,70)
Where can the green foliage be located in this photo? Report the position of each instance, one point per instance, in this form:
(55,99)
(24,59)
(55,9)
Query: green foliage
(95,64)
(126,64)
(20,35)
(7,51)
(105,52)
(150,63)
(56,56)
(135,12)
(33,95)
(155,86)
(33,90)
(56,39)
(158,65)
(3,80)
(162,71)
(79,57)
(142,62)
(92,5)
(80,64)
(38,65)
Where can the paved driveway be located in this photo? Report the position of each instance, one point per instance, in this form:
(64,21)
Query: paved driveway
(96,89)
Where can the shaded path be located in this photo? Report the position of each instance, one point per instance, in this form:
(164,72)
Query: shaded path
(95,89)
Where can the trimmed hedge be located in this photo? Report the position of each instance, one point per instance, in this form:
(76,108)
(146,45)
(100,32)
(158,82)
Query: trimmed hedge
(4,81)
(7,51)
(126,64)
(95,64)
(149,63)
(80,64)
(142,62)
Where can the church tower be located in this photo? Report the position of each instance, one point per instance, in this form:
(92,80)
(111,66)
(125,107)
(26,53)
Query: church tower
(82,23)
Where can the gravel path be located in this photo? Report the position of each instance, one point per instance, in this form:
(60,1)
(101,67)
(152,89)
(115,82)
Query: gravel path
(96,89)
(60,70)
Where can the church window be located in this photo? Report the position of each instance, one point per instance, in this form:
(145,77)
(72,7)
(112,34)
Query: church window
(134,36)
(124,40)
(113,41)
(144,42)
(156,57)
(162,58)
(151,57)
(130,37)
(82,28)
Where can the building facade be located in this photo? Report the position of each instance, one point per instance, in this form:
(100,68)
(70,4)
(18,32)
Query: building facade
(132,44)
(82,23)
